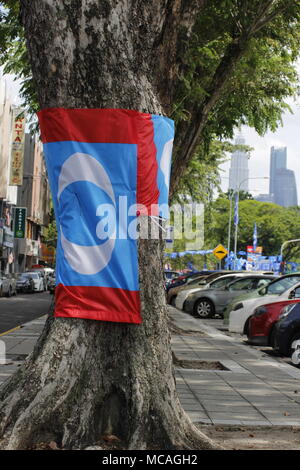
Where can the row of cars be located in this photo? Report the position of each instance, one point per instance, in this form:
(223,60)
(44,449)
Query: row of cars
(205,295)
(27,282)
(260,305)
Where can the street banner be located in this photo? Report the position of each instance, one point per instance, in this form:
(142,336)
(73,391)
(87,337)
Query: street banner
(255,237)
(254,255)
(106,167)
(17,149)
(20,222)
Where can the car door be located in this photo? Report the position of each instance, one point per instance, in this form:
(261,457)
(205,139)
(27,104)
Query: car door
(240,287)
(4,284)
(218,292)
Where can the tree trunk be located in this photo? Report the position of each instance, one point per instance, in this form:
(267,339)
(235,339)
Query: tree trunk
(87,378)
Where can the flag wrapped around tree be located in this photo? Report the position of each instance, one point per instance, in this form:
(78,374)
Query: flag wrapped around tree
(106,167)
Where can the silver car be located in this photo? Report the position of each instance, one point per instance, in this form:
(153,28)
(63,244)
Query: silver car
(7,285)
(208,302)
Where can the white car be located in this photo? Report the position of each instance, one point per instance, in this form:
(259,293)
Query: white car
(220,281)
(37,280)
(281,289)
(7,285)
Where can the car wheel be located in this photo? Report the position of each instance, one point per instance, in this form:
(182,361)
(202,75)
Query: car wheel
(204,308)
(272,337)
(294,338)
(246,327)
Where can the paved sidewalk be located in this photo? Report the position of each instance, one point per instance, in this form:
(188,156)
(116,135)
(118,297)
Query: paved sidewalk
(19,342)
(253,390)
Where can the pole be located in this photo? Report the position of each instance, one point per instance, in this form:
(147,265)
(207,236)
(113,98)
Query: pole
(285,243)
(236,228)
(229,223)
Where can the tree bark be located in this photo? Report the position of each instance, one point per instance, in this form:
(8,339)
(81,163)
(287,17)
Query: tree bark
(87,378)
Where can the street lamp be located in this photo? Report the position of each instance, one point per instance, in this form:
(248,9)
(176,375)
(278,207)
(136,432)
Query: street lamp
(286,243)
(237,202)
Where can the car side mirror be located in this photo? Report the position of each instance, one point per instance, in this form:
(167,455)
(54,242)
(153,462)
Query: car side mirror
(262,291)
(295,294)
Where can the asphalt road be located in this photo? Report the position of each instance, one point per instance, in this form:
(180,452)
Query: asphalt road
(19,309)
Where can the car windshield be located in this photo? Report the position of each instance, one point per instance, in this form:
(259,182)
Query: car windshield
(193,282)
(281,285)
(221,282)
(33,275)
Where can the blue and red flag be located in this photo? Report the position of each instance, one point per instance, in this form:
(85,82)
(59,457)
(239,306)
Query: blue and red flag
(255,238)
(100,162)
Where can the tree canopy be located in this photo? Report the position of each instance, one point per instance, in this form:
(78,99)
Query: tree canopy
(275,224)
(236,66)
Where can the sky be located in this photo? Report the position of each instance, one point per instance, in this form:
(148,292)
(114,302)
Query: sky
(259,163)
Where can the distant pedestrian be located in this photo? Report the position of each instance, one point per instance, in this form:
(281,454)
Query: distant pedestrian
(282,267)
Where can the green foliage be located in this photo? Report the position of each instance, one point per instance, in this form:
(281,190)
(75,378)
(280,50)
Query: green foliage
(251,88)
(275,224)
(14,55)
(50,232)
(260,81)
(202,177)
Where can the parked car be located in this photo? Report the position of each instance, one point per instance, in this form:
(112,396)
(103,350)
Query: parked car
(182,279)
(38,281)
(287,330)
(195,286)
(24,283)
(281,288)
(262,323)
(190,283)
(170,275)
(7,285)
(207,302)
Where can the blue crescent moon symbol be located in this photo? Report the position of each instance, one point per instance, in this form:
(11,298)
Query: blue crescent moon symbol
(86,259)
(165,161)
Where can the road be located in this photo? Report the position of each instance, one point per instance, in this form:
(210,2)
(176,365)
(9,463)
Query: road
(19,309)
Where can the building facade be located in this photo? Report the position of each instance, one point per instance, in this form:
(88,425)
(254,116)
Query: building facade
(23,184)
(8,194)
(34,195)
(283,188)
(278,161)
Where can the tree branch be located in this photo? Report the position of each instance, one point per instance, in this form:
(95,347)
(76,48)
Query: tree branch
(263,21)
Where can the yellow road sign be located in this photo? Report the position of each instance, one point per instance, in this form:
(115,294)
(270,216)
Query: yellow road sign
(220,252)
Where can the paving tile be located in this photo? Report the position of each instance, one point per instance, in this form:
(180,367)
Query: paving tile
(193,407)
(229,422)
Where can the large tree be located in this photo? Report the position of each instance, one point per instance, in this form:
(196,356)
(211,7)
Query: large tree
(87,378)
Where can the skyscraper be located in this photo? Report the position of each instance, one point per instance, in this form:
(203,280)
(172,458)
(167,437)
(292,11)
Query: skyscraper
(238,172)
(282,181)
(278,161)
(285,188)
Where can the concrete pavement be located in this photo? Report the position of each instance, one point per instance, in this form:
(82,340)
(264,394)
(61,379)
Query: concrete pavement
(252,389)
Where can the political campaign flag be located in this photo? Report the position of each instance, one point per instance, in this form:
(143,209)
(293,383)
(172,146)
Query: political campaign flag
(106,167)
(236,208)
(255,238)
